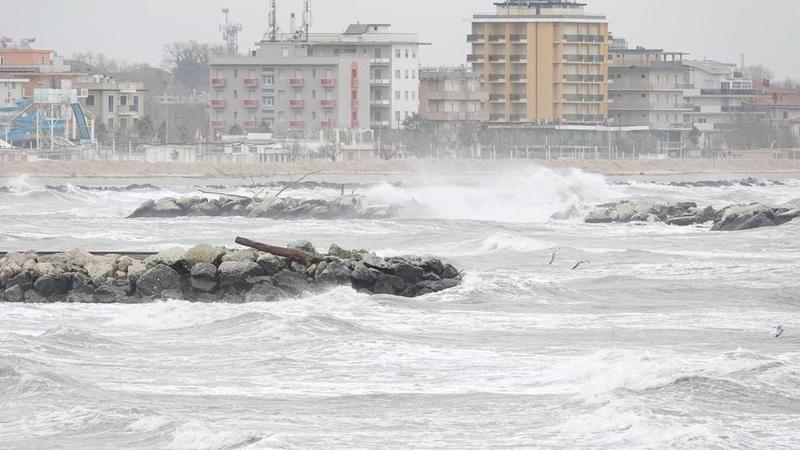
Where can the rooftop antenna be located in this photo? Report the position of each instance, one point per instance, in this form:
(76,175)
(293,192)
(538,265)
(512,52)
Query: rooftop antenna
(307,19)
(272,34)
(26,43)
(230,34)
(5,41)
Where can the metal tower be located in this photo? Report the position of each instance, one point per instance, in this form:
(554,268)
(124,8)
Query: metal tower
(230,34)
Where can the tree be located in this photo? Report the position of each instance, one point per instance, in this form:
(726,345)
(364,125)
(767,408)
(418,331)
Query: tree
(100,132)
(162,133)
(235,130)
(188,61)
(264,126)
(759,73)
(417,134)
(694,137)
(145,129)
(331,151)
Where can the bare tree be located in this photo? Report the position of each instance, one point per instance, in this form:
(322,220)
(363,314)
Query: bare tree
(188,61)
(759,73)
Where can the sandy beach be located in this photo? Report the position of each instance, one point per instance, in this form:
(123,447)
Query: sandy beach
(410,171)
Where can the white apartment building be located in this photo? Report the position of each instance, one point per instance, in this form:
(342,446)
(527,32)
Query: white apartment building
(719,94)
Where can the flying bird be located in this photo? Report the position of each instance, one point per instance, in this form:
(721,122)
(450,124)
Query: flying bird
(579,264)
(553,256)
(780,330)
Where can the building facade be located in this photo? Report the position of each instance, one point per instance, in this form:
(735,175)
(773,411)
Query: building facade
(364,78)
(12,90)
(450,97)
(719,94)
(542,61)
(646,89)
(118,106)
(42,69)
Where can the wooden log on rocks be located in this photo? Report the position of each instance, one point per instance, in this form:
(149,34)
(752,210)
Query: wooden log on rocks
(297,255)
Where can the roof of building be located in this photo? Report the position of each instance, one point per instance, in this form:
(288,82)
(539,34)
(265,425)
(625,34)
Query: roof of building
(774,96)
(363,28)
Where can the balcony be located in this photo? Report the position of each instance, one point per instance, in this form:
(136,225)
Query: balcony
(475,38)
(296,82)
(250,124)
(297,124)
(251,82)
(218,82)
(583,98)
(586,39)
(584,118)
(498,59)
(519,78)
(328,124)
(297,103)
(584,58)
(327,82)
(327,103)
(380,61)
(475,58)
(377,82)
(519,59)
(519,38)
(729,92)
(355,104)
(380,103)
(518,98)
(218,104)
(497,98)
(497,38)
(380,124)
(497,78)
(251,103)
(217,124)
(574,78)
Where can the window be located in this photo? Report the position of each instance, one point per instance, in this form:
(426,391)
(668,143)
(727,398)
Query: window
(313,115)
(413,95)
(406,53)
(397,53)
(413,74)
(406,74)
(235,73)
(2,60)
(313,95)
(123,100)
(269,80)
(111,123)
(397,116)
(235,94)
(90,100)
(397,95)
(414,54)
(406,95)
(110,103)
(397,74)
(314,74)
(236,115)
(269,100)
(42,61)
(135,106)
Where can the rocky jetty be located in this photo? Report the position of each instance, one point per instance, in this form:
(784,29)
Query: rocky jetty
(345,207)
(730,218)
(213,274)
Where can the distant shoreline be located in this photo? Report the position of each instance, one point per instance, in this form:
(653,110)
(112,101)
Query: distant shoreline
(410,171)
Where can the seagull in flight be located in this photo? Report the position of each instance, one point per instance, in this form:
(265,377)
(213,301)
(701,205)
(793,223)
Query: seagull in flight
(553,256)
(580,264)
(780,330)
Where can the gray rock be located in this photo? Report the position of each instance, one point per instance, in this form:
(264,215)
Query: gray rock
(305,246)
(407,272)
(246,255)
(334,273)
(101,267)
(143,210)
(745,217)
(84,294)
(271,264)
(23,280)
(291,282)
(206,209)
(263,292)
(204,277)
(375,262)
(450,272)
(234,273)
(110,293)
(14,294)
(339,252)
(363,277)
(437,286)
(206,254)
(50,285)
(388,284)
(172,257)
(788,216)
(433,265)
(157,280)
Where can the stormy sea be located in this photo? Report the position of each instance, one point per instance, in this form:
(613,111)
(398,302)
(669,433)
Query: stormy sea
(665,337)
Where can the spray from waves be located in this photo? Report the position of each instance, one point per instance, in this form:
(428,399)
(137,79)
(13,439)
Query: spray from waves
(532,195)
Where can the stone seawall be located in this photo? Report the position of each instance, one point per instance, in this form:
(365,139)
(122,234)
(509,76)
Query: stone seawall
(214,274)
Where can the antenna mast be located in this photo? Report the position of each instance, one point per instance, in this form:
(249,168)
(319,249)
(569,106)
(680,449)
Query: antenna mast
(307,18)
(230,34)
(272,34)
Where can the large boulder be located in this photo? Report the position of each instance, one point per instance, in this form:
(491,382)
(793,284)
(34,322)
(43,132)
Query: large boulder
(101,267)
(788,216)
(14,294)
(157,280)
(305,246)
(172,257)
(52,285)
(207,254)
(745,217)
(263,292)
(293,283)
(271,264)
(163,208)
(334,273)
(235,273)
(364,277)
(204,277)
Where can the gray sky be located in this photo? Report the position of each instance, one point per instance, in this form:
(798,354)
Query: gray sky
(766,31)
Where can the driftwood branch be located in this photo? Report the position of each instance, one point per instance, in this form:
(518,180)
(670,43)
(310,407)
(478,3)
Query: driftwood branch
(295,182)
(224,194)
(297,255)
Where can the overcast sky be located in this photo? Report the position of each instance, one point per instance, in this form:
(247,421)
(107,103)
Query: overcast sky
(766,31)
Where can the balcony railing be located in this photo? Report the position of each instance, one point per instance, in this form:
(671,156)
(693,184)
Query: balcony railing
(519,58)
(497,78)
(475,58)
(251,103)
(296,82)
(380,82)
(497,58)
(327,82)
(731,92)
(584,58)
(475,38)
(583,98)
(518,98)
(251,82)
(219,104)
(296,124)
(250,124)
(380,61)
(584,78)
(380,124)
(584,118)
(382,103)
(497,98)
(328,124)
(497,38)
(218,82)
(519,38)
(519,78)
(327,103)
(297,103)
(573,38)
(217,124)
